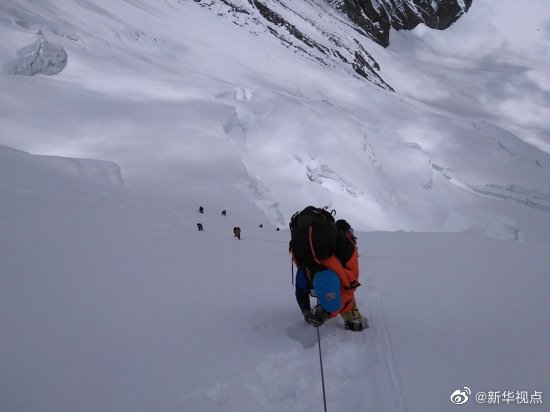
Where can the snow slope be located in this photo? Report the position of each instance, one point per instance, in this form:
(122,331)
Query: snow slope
(111,300)
(111,303)
(161,89)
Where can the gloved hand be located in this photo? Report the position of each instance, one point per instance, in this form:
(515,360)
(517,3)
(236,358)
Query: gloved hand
(316,317)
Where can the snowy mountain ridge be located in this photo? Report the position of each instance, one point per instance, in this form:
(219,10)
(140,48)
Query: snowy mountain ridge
(309,27)
(160,89)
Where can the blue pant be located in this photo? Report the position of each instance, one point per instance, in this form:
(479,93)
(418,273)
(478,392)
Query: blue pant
(302,289)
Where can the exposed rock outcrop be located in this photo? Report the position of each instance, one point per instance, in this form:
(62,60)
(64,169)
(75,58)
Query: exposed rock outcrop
(375,18)
(40,57)
(305,28)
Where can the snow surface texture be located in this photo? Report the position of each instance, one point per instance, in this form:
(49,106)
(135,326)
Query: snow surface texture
(110,302)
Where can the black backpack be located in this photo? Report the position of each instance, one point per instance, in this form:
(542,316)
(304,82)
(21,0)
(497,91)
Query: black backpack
(315,235)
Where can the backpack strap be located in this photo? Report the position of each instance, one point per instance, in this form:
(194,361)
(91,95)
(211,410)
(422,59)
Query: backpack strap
(310,232)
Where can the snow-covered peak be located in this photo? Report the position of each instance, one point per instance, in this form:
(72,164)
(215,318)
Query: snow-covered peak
(163,90)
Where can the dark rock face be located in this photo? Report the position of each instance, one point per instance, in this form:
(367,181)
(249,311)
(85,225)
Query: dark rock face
(376,17)
(360,60)
(331,44)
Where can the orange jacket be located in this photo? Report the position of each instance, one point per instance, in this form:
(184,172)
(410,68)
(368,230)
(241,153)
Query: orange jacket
(348,273)
(349,279)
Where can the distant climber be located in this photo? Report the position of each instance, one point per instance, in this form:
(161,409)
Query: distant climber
(200,227)
(237,232)
(201,209)
(224,213)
